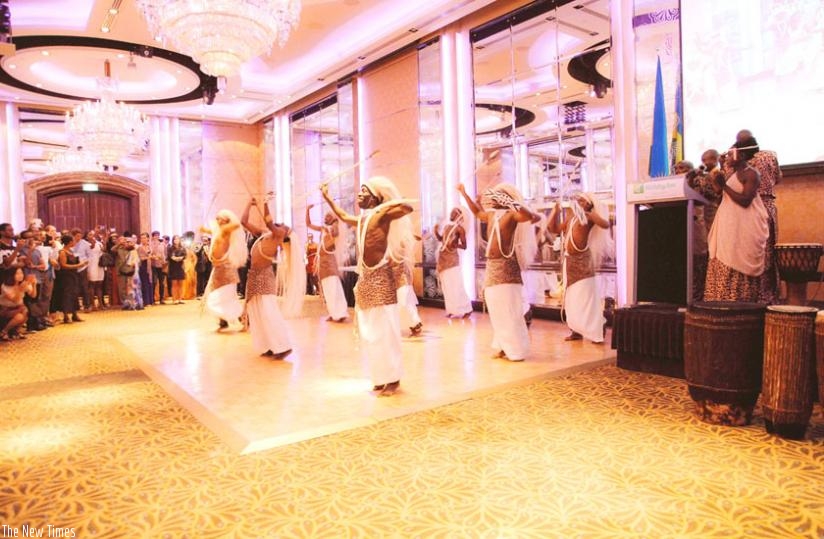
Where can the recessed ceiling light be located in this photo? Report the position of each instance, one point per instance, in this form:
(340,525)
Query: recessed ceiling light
(12,66)
(104,29)
(113,11)
(39,85)
(179,72)
(121,55)
(44,53)
(158,39)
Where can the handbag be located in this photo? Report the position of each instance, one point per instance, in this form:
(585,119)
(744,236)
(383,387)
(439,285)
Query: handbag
(106,260)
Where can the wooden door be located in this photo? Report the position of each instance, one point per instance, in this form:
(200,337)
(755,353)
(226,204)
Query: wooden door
(87,210)
(68,210)
(111,211)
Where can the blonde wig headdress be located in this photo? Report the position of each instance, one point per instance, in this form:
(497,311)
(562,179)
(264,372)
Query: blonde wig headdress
(400,239)
(525,242)
(290,277)
(600,242)
(238,252)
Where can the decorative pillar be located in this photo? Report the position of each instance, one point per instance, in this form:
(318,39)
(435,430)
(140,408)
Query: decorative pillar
(624,146)
(166,181)
(12,206)
(459,131)
(282,185)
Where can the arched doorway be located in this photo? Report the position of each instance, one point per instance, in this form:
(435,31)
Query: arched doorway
(86,200)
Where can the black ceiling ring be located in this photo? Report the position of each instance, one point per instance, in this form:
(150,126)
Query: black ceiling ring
(522,117)
(35,42)
(582,67)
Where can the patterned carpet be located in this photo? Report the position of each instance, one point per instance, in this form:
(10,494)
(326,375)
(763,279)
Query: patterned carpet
(90,443)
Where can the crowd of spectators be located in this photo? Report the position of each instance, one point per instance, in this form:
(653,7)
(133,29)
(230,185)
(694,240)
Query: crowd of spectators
(50,276)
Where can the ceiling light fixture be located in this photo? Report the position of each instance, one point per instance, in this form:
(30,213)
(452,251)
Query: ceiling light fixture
(221,35)
(108,129)
(73,161)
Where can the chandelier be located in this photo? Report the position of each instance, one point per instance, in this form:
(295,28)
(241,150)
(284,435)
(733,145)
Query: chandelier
(221,35)
(107,129)
(74,161)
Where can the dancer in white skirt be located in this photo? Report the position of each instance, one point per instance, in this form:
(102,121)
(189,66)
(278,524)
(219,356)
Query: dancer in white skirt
(330,254)
(384,228)
(449,265)
(227,254)
(511,249)
(587,242)
(265,312)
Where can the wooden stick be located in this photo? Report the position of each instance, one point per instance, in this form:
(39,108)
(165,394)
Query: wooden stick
(350,169)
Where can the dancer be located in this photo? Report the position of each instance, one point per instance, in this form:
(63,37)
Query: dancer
(511,249)
(587,242)
(228,253)
(382,228)
(330,251)
(266,321)
(448,265)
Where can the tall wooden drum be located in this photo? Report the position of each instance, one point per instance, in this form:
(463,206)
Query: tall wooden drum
(819,353)
(723,354)
(789,369)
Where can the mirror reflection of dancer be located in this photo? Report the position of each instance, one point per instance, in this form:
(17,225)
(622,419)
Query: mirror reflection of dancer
(448,265)
(228,253)
(587,242)
(270,334)
(383,228)
(511,248)
(329,254)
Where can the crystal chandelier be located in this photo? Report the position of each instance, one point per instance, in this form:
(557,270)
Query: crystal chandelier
(74,161)
(107,129)
(221,35)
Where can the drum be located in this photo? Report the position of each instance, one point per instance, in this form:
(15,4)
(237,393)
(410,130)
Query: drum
(789,369)
(798,262)
(723,354)
(819,354)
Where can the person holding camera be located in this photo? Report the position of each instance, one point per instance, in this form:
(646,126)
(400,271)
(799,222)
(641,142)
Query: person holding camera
(68,277)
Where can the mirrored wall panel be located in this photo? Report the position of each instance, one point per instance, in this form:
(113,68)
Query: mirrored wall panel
(322,150)
(543,118)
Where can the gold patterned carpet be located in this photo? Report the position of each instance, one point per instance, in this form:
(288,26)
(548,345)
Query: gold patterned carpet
(88,442)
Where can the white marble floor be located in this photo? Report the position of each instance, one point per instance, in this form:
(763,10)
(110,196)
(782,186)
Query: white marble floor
(255,403)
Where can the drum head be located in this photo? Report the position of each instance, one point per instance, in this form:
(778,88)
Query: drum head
(792,309)
(731,306)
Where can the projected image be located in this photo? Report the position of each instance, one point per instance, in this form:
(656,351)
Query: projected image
(757,65)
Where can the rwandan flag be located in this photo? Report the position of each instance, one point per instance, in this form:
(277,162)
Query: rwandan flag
(677,142)
(658,155)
